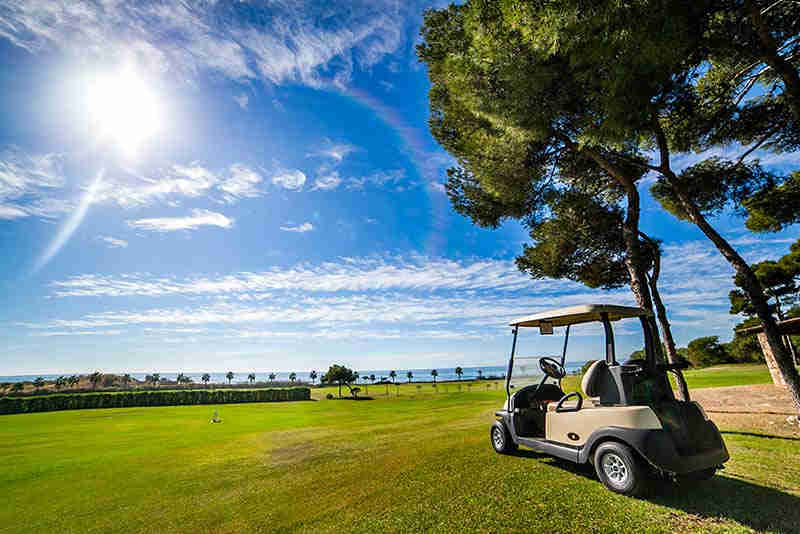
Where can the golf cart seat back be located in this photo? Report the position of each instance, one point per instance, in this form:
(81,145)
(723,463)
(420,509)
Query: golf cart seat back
(598,382)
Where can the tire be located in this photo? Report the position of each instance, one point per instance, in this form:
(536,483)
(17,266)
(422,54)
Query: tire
(619,469)
(501,438)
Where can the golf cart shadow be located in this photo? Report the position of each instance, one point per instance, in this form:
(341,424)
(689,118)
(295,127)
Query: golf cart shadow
(722,497)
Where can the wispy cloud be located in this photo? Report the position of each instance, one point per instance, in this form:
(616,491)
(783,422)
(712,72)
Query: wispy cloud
(197,219)
(328,182)
(301,228)
(292,180)
(290,42)
(242,183)
(335,151)
(242,100)
(113,242)
(26,180)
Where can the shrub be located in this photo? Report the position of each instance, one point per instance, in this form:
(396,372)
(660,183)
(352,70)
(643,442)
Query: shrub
(705,351)
(66,401)
(329,396)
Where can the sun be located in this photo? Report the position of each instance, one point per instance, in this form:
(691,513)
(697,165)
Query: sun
(123,109)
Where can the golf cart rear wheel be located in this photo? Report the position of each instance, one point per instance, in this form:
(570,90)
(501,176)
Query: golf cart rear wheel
(501,438)
(619,469)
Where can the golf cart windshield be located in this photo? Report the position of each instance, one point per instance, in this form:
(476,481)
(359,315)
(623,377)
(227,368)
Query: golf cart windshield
(526,371)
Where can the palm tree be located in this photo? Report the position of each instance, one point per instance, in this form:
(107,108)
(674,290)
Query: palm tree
(272,377)
(126,380)
(180,378)
(313,376)
(205,378)
(372,378)
(61,381)
(39,382)
(251,378)
(409,375)
(73,380)
(356,375)
(480,374)
(459,372)
(393,375)
(292,377)
(434,374)
(229,376)
(17,387)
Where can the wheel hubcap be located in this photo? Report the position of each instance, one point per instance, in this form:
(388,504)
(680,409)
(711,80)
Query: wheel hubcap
(615,469)
(498,438)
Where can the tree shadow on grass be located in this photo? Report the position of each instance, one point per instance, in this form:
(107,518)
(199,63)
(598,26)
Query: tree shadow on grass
(720,498)
(752,505)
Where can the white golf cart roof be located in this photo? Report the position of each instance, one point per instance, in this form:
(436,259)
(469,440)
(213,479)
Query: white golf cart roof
(584,313)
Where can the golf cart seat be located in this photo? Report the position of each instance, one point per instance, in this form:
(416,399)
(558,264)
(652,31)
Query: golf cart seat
(598,384)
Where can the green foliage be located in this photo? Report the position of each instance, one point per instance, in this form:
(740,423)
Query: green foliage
(772,209)
(715,184)
(340,375)
(778,278)
(47,403)
(229,375)
(705,351)
(581,240)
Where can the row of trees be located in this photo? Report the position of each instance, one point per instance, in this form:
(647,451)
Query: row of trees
(556,111)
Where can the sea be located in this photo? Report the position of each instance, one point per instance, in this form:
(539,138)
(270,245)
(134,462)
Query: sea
(419,375)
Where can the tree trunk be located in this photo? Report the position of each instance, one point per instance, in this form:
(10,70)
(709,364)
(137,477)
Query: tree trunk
(750,285)
(661,315)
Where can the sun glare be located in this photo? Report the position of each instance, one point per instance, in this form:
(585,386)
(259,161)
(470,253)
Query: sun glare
(124,110)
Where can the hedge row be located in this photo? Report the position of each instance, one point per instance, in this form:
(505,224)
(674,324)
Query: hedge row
(11,405)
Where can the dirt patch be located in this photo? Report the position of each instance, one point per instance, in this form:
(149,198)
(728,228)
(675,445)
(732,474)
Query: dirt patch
(755,399)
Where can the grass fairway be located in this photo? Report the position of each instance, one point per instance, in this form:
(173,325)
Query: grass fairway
(418,462)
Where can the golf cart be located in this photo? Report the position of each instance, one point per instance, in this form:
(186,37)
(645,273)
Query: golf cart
(629,426)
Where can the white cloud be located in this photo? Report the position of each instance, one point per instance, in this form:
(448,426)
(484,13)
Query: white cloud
(328,182)
(129,191)
(289,42)
(10,211)
(242,183)
(242,100)
(197,219)
(52,333)
(292,180)
(335,151)
(27,181)
(393,178)
(302,228)
(113,242)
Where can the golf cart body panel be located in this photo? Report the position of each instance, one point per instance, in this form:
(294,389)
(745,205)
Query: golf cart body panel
(631,404)
(576,427)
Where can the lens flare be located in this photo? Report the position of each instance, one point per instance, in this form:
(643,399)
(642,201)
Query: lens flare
(71,224)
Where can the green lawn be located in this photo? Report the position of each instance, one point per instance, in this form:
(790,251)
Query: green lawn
(418,462)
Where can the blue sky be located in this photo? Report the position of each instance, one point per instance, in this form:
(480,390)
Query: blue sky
(253,187)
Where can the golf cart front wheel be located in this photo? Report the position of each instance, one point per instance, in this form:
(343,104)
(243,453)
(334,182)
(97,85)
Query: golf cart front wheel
(501,438)
(619,469)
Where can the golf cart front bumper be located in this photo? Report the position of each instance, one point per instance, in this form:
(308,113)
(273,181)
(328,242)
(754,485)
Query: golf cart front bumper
(659,448)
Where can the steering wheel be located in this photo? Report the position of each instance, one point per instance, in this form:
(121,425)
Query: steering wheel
(552,368)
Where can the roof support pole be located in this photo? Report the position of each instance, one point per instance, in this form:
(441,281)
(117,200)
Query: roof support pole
(611,358)
(564,352)
(511,362)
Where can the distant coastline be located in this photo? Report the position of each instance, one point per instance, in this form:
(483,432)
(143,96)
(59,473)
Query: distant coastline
(421,375)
